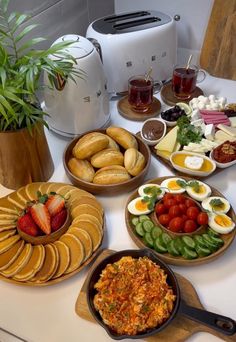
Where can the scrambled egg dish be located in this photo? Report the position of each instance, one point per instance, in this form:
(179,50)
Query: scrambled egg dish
(133,296)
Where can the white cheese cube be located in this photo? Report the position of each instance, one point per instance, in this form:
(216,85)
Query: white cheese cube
(212,98)
(194,162)
(195,115)
(209,132)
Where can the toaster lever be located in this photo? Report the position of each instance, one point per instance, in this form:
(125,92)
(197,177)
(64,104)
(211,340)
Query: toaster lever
(138,22)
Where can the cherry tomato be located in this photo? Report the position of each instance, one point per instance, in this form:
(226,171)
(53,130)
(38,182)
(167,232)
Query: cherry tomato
(190,203)
(175,211)
(167,196)
(176,224)
(202,218)
(184,217)
(192,213)
(169,203)
(190,226)
(161,209)
(164,219)
(183,208)
(180,198)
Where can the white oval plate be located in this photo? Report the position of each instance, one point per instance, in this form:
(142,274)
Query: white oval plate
(222,165)
(189,171)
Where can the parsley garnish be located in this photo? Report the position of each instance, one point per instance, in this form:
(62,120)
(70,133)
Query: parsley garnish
(217,203)
(194,185)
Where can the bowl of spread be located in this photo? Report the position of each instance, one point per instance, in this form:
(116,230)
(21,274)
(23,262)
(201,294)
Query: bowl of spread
(153,130)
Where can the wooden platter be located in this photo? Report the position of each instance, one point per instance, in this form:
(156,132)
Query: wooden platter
(74,197)
(180,329)
(168,97)
(178,260)
(126,111)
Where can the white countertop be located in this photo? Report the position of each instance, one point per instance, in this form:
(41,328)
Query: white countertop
(47,314)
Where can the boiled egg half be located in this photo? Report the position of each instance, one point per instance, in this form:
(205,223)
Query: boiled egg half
(173,185)
(198,190)
(221,223)
(151,190)
(216,204)
(138,206)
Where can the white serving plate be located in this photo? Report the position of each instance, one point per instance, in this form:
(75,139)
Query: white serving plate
(222,165)
(190,171)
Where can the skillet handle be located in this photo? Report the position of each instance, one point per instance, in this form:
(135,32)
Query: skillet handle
(222,324)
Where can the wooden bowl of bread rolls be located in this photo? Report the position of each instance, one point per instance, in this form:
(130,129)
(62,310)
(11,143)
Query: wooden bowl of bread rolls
(107,161)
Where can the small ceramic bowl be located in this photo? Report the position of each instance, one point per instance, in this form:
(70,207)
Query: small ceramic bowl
(170,123)
(202,173)
(221,165)
(45,239)
(149,130)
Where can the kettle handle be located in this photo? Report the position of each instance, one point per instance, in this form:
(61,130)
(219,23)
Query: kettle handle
(97,46)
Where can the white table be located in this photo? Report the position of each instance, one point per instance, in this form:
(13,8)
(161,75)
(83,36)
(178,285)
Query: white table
(47,314)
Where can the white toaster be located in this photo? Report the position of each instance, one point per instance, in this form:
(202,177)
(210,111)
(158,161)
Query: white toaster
(131,43)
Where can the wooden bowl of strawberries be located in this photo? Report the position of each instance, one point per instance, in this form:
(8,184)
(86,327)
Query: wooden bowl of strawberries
(45,220)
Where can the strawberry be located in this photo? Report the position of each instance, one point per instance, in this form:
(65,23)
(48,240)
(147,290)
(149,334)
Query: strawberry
(27,225)
(58,220)
(55,204)
(41,217)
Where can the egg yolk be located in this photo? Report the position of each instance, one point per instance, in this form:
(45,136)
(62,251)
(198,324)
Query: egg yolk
(201,190)
(141,205)
(223,221)
(173,185)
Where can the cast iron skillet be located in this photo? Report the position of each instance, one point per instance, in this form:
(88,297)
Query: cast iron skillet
(217,322)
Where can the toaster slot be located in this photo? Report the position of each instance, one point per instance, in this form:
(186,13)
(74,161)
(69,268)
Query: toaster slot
(118,17)
(138,22)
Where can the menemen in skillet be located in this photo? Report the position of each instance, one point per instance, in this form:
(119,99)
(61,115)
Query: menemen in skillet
(133,295)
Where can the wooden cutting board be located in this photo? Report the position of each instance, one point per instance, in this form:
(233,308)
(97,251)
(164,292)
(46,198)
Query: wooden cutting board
(178,330)
(219,46)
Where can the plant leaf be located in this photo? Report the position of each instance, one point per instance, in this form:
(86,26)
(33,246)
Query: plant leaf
(3,112)
(7,105)
(24,32)
(20,19)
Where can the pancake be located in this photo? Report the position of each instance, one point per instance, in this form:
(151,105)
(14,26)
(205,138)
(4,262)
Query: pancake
(31,190)
(7,216)
(87,200)
(21,193)
(7,206)
(84,238)
(86,209)
(76,251)
(33,265)
(64,258)
(8,257)
(8,243)
(49,266)
(19,262)
(43,188)
(65,189)
(16,201)
(92,230)
(76,193)
(6,234)
(7,227)
(89,218)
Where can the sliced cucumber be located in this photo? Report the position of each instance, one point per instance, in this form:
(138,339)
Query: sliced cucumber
(155,232)
(202,251)
(217,240)
(179,245)
(189,242)
(165,239)
(139,229)
(211,232)
(143,218)
(189,253)
(172,249)
(148,239)
(135,221)
(158,246)
(148,225)
(209,243)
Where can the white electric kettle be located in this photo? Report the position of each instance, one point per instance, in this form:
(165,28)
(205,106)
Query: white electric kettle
(77,107)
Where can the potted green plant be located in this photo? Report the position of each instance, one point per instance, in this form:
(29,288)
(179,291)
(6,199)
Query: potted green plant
(24,152)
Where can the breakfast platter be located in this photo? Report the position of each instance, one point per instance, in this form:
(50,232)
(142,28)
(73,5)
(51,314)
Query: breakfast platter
(197,243)
(48,233)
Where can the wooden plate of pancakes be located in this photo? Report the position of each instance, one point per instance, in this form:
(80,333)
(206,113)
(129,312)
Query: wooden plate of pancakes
(40,265)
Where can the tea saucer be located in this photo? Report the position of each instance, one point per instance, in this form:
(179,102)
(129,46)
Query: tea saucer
(168,97)
(126,111)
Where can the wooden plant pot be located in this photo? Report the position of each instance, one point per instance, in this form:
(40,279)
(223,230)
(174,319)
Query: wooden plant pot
(24,158)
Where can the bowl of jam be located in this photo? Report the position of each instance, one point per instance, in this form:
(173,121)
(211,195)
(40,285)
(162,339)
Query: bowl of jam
(153,130)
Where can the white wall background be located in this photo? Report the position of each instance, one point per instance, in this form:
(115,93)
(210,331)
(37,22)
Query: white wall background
(194,16)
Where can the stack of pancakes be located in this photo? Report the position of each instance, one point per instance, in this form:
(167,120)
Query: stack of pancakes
(40,264)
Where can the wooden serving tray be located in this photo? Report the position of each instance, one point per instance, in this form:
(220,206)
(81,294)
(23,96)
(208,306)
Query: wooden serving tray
(180,261)
(168,97)
(178,330)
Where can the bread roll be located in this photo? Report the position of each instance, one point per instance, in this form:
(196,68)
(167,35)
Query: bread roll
(122,137)
(134,161)
(111,175)
(107,157)
(90,144)
(81,169)
(113,144)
